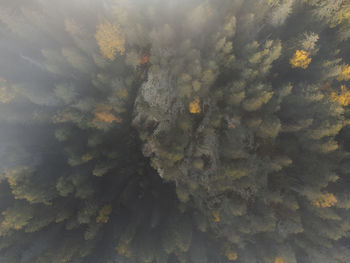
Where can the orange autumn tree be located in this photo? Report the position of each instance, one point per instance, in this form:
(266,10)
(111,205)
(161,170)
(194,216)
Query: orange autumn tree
(279,260)
(110,39)
(301,59)
(144,59)
(325,200)
(102,113)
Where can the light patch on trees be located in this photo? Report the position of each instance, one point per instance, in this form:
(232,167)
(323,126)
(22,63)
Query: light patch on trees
(111,39)
(300,59)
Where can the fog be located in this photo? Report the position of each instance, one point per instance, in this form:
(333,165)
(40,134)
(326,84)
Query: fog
(148,131)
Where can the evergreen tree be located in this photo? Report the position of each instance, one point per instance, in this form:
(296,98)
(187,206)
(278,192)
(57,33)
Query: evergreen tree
(155,132)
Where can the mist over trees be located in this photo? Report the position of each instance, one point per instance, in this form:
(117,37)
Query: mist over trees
(211,131)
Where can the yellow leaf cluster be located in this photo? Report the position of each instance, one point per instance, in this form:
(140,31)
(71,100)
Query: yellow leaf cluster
(86,157)
(231,254)
(103,214)
(343,97)
(10,174)
(300,59)
(124,250)
(6,93)
(111,39)
(345,73)
(194,106)
(326,200)
(279,260)
(216,216)
(9,223)
(102,113)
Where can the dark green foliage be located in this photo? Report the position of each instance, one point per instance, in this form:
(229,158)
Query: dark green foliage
(206,131)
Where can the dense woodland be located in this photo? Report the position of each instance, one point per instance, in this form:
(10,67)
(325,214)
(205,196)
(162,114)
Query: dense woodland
(175,131)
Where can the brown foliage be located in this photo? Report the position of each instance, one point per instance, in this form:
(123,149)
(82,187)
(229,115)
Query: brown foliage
(102,113)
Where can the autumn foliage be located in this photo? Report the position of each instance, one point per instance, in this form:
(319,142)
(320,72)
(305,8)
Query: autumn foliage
(279,260)
(103,215)
(103,113)
(345,73)
(124,250)
(342,97)
(144,59)
(141,132)
(301,59)
(216,216)
(194,106)
(325,200)
(111,39)
(231,255)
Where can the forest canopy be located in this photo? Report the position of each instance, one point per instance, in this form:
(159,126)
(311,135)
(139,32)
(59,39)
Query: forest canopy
(202,131)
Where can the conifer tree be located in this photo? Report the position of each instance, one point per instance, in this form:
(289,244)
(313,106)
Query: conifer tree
(144,132)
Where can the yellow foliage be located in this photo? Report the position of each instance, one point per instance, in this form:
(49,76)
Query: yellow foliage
(6,92)
(231,254)
(86,157)
(10,175)
(345,73)
(326,200)
(124,250)
(341,16)
(12,181)
(194,106)
(279,260)
(111,39)
(9,223)
(216,216)
(123,93)
(343,98)
(300,59)
(103,214)
(102,113)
